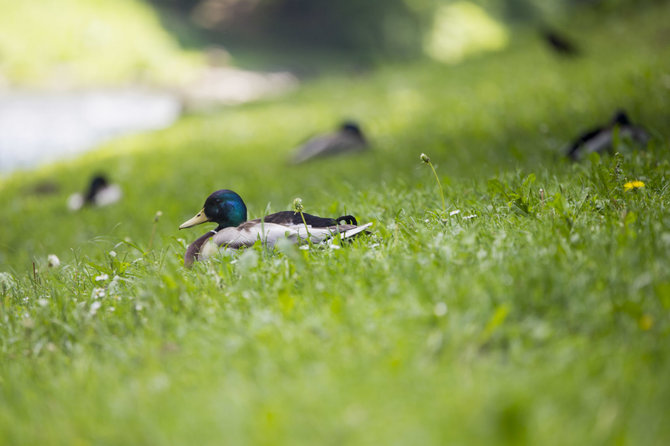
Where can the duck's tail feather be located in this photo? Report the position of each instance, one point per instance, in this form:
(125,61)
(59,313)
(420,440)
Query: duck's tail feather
(347,219)
(357,230)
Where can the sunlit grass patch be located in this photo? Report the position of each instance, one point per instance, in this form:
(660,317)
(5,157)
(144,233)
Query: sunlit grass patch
(463,29)
(81,42)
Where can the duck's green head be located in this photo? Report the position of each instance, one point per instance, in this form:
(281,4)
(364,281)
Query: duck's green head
(224,207)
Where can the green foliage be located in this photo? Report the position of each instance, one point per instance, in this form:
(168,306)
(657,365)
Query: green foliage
(534,311)
(366,29)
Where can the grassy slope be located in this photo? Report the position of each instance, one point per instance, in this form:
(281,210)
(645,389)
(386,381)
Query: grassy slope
(556,329)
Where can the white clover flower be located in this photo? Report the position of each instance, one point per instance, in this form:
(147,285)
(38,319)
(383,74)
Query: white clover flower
(95,306)
(98,293)
(7,282)
(101,278)
(440,309)
(114,284)
(53,261)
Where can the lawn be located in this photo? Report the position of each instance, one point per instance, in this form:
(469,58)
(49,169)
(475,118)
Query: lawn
(533,310)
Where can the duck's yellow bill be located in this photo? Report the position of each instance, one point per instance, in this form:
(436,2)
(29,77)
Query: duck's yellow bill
(200,217)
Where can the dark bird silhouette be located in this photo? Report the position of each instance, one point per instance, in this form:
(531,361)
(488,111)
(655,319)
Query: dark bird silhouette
(601,139)
(99,193)
(559,43)
(348,138)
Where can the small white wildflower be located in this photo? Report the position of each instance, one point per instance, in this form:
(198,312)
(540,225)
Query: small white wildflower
(101,278)
(98,293)
(138,307)
(53,261)
(95,306)
(440,309)
(42,302)
(111,309)
(456,212)
(112,253)
(304,247)
(333,246)
(7,282)
(297,205)
(27,321)
(159,383)
(468,217)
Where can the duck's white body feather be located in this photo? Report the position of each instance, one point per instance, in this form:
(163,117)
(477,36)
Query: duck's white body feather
(270,233)
(107,195)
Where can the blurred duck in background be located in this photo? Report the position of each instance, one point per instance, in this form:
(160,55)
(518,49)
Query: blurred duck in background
(559,43)
(602,139)
(45,187)
(349,138)
(100,193)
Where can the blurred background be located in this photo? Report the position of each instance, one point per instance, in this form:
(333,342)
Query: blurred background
(74,73)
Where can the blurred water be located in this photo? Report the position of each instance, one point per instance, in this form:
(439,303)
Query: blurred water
(38,127)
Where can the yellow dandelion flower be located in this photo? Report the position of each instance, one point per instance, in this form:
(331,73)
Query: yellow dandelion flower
(633,185)
(646,322)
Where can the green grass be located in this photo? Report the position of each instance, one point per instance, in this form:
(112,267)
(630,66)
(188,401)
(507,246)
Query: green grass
(542,320)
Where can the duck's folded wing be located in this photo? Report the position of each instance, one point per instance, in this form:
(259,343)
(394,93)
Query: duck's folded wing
(289,218)
(270,234)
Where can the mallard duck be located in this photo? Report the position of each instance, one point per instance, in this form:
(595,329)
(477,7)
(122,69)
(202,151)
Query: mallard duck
(348,138)
(227,209)
(601,139)
(100,193)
